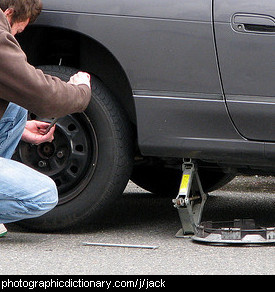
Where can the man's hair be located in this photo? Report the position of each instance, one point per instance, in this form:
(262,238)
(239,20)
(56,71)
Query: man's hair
(22,9)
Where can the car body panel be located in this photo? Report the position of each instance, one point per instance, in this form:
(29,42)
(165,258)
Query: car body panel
(171,127)
(245,37)
(185,47)
(174,9)
(197,88)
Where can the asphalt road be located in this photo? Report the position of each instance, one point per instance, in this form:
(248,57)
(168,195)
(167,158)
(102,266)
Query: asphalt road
(143,219)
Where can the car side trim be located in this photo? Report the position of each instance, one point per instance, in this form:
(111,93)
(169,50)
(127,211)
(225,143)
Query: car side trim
(176,95)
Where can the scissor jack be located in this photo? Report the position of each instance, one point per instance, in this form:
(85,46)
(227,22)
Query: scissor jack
(190,203)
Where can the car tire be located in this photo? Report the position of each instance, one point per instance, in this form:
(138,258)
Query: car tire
(94,165)
(165,182)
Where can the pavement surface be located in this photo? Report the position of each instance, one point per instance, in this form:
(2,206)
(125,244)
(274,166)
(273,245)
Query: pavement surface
(141,218)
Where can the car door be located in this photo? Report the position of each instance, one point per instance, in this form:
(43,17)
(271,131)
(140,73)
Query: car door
(245,40)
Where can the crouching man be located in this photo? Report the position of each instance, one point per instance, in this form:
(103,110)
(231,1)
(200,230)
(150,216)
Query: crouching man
(24,192)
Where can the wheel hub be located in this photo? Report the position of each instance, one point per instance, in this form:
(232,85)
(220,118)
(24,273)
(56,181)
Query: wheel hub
(69,160)
(46,150)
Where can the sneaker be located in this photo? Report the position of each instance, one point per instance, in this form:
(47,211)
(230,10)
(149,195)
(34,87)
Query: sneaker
(3,230)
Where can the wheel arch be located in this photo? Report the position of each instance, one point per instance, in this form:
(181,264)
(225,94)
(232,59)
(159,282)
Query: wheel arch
(51,46)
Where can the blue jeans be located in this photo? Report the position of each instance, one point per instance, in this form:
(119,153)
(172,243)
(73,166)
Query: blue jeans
(24,192)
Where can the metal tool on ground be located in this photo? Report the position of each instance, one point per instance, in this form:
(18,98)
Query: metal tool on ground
(120,245)
(190,203)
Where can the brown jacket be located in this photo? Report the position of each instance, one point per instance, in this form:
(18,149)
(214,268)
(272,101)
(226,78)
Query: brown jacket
(21,83)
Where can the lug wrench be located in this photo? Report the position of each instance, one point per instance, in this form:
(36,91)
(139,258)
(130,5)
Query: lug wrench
(51,125)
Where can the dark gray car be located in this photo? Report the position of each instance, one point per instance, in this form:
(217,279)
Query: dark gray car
(171,80)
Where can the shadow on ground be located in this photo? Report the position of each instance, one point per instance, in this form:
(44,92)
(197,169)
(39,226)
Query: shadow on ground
(245,197)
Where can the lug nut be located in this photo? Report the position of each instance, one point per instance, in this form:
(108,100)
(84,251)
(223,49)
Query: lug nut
(60,154)
(42,163)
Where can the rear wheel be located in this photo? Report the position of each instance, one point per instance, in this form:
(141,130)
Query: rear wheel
(90,159)
(166,181)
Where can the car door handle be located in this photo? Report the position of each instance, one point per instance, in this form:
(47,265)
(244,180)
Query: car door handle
(242,22)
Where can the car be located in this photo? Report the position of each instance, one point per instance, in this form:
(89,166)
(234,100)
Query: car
(171,80)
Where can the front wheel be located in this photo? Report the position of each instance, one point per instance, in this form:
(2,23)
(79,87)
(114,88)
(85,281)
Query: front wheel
(90,159)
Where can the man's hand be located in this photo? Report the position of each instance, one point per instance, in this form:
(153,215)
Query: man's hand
(81,78)
(35,132)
